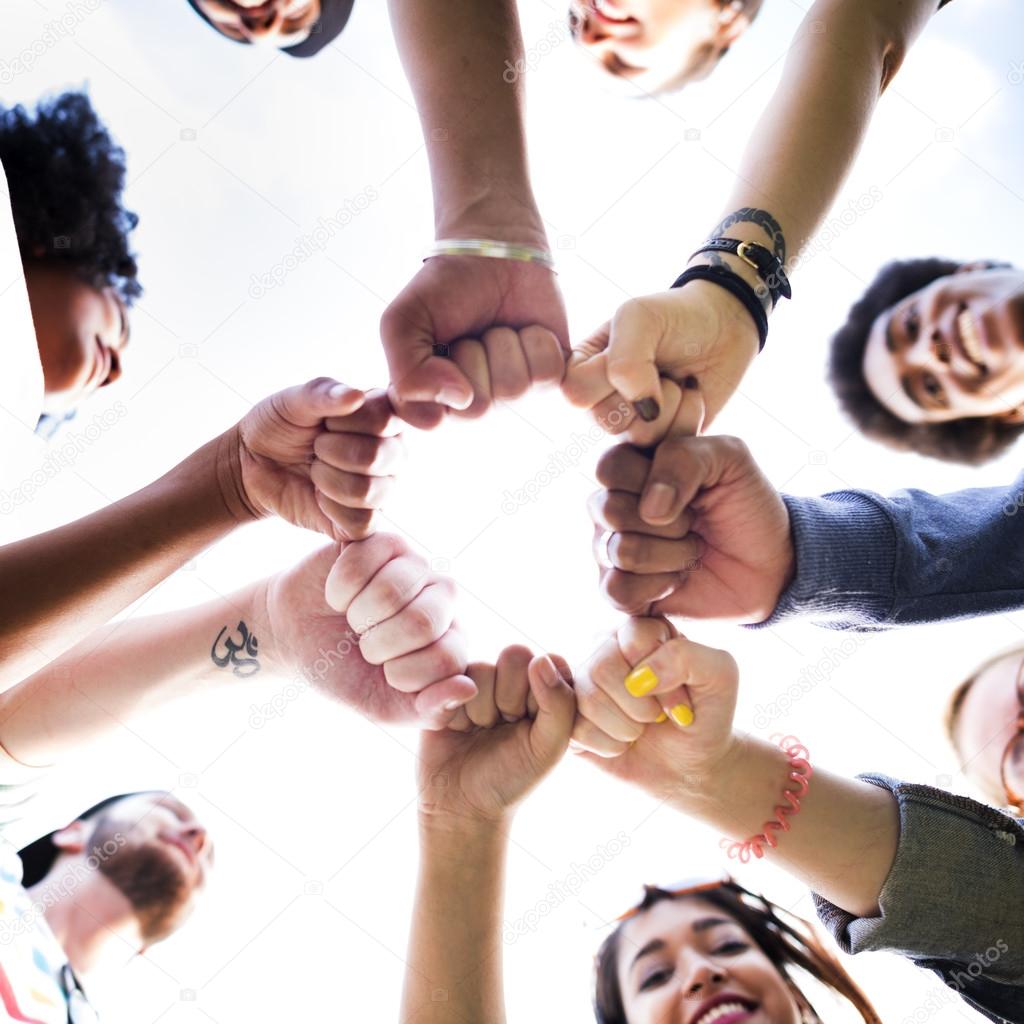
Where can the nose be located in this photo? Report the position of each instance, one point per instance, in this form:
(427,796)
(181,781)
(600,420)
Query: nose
(699,978)
(259,23)
(115,368)
(196,836)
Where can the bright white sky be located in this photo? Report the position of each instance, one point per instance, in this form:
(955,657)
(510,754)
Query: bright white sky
(234,155)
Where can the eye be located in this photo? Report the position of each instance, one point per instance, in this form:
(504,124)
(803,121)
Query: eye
(655,978)
(912,323)
(732,947)
(933,388)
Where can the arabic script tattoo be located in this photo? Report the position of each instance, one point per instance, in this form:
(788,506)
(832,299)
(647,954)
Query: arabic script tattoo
(247,643)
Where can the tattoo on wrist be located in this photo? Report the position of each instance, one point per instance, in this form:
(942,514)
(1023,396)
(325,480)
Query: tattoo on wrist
(247,644)
(764,220)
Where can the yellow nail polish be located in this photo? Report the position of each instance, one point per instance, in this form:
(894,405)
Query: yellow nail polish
(683,715)
(661,718)
(641,681)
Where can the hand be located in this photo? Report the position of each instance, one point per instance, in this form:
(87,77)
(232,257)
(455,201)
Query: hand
(641,739)
(455,298)
(301,633)
(696,531)
(402,615)
(698,337)
(480,776)
(317,455)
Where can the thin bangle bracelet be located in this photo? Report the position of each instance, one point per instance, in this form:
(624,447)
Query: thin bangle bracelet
(490,248)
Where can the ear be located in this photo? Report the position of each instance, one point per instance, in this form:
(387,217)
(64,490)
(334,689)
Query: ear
(73,838)
(731,23)
(1014,418)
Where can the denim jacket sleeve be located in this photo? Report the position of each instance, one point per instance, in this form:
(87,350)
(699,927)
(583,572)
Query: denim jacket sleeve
(953,901)
(864,562)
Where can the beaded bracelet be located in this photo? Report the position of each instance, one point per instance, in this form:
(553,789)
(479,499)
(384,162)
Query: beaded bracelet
(490,248)
(800,773)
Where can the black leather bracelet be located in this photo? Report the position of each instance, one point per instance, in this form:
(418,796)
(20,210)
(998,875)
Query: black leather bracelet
(731,282)
(764,262)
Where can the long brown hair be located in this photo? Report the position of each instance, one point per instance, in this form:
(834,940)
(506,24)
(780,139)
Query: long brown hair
(787,940)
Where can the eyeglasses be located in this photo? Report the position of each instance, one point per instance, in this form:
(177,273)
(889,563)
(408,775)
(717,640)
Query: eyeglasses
(1011,768)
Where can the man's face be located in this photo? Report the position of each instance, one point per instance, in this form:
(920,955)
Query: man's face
(278,23)
(953,350)
(81,332)
(655,43)
(156,852)
(986,724)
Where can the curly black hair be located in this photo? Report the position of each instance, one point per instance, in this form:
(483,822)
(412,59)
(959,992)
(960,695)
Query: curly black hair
(65,176)
(970,441)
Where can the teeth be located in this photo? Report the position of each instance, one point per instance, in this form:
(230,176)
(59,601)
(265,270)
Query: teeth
(717,1012)
(970,337)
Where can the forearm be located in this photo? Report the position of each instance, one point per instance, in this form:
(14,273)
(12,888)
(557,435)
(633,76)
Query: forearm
(844,55)
(843,841)
(456,56)
(58,586)
(455,940)
(126,668)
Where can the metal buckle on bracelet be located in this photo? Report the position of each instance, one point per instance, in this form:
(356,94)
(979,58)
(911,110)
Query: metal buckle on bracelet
(741,251)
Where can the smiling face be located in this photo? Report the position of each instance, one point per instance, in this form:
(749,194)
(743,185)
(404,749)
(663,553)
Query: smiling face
(81,332)
(161,860)
(986,724)
(953,350)
(277,23)
(658,44)
(686,961)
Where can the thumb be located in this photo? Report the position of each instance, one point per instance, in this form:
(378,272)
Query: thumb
(681,662)
(307,404)
(419,372)
(437,704)
(632,370)
(556,711)
(680,468)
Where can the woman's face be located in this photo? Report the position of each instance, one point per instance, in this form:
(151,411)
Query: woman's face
(685,961)
(652,42)
(81,332)
(986,723)
(278,23)
(953,350)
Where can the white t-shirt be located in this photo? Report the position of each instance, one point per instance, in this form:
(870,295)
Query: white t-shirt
(32,962)
(21,373)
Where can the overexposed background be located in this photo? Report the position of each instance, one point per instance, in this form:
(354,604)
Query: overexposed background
(236,156)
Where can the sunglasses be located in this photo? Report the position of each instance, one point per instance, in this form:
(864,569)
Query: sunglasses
(1011,768)
(686,887)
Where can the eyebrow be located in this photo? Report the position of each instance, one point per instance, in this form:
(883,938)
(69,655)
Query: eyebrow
(657,945)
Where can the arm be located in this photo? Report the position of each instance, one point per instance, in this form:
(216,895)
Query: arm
(469,786)
(845,54)
(457,56)
(284,458)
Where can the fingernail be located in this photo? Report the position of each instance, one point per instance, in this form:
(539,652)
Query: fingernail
(337,390)
(452,705)
(641,681)
(682,714)
(657,501)
(454,398)
(548,672)
(576,748)
(661,718)
(647,409)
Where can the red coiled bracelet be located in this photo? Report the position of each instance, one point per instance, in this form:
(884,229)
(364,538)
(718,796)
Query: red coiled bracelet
(800,773)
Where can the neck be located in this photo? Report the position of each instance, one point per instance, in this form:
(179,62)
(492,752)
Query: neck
(90,918)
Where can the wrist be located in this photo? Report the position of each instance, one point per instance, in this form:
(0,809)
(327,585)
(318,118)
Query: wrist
(444,828)
(703,792)
(230,479)
(502,213)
